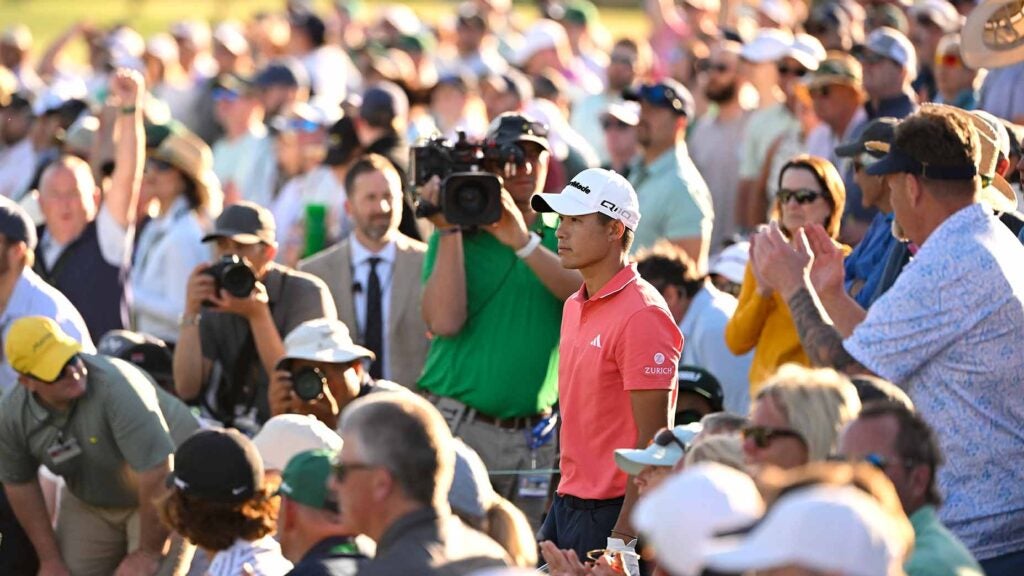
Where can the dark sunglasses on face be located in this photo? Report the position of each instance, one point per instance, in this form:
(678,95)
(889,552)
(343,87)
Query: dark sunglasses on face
(877,460)
(705,65)
(341,469)
(300,125)
(158,165)
(665,438)
(797,71)
(819,92)
(763,436)
(224,95)
(613,124)
(801,195)
(622,59)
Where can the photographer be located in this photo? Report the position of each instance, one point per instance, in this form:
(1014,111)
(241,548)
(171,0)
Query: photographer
(321,371)
(235,313)
(493,301)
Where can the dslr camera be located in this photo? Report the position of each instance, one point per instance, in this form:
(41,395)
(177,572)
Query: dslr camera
(231,273)
(470,195)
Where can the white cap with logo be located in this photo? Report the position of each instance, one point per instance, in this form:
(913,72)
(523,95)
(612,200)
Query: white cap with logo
(594,190)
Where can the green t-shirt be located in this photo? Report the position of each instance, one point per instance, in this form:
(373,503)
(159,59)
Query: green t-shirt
(120,425)
(504,362)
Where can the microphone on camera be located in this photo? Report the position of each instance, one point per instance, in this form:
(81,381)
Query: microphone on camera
(357,287)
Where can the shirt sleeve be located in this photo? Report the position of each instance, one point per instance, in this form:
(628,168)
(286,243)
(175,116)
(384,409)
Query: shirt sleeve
(177,259)
(17,466)
(744,328)
(685,218)
(113,239)
(649,355)
(136,420)
(909,325)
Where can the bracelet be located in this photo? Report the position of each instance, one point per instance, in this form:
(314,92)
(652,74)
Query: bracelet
(449,231)
(531,245)
(189,320)
(128,109)
(631,537)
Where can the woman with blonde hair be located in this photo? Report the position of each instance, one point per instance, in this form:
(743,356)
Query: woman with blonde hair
(810,192)
(724,449)
(797,416)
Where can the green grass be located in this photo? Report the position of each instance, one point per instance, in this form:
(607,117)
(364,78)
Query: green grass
(48,18)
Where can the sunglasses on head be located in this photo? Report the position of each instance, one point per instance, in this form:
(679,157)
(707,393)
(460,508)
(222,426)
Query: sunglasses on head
(666,438)
(763,436)
(801,195)
(797,71)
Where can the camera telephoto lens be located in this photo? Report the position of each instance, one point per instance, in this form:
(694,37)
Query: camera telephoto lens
(309,383)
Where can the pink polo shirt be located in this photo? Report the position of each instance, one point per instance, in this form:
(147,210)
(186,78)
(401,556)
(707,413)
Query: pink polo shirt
(621,339)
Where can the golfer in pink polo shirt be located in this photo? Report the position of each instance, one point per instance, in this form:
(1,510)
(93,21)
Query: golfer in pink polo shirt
(617,369)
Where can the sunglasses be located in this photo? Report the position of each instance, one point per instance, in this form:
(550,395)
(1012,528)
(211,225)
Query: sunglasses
(666,438)
(801,195)
(612,124)
(872,58)
(341,469)
(948,61)
(224,95)
(300,125)
(796,71)
(819,92)
(73,361)
(158,165)
(705,65)
(622,59)
(877,460)
(763,436)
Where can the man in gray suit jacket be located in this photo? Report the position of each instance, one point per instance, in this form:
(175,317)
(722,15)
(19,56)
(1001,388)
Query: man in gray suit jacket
(374,274)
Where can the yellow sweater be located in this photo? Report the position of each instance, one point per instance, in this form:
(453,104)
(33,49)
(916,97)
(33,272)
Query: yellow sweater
(764,325)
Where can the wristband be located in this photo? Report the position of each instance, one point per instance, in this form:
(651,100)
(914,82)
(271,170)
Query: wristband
(449,231)
(189,320)
(531,245)
(128,109)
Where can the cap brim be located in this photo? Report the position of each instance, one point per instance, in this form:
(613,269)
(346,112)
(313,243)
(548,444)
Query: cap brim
(751,553)
(850,149)
(632,461)
(330,356)
(805,59)
(999,195)
(974,48)
(240,237)
(560,203)
(49,363)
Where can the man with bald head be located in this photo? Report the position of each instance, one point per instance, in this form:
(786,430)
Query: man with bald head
(84,246)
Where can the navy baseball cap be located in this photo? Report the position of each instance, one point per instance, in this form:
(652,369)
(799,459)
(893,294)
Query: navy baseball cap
(15,223)
(383,102)
(283,73)
(897,161)
(878,130)
(667,94)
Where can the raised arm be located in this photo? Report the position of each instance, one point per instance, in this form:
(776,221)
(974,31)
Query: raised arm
(128,90)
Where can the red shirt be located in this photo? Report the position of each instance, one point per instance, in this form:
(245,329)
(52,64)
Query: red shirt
(621,339)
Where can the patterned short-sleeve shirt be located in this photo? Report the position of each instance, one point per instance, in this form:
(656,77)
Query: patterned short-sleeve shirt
(951,333)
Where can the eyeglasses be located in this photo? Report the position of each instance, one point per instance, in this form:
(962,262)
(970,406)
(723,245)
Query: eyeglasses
(763,436)
(801,195)
(795,71)
(820,92)
(68,366)
(665,437)
(343,469)
(705,65)
(948,60)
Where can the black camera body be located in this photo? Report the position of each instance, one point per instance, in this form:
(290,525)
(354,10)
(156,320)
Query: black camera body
(309,383)
(470,195)
(233,274)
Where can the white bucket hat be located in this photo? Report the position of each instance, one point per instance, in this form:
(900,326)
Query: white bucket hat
(323,340)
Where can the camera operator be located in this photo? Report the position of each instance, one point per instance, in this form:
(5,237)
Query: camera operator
(493,300)
(321,371)
(235,313)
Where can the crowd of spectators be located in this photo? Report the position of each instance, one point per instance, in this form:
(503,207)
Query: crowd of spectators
(346,290)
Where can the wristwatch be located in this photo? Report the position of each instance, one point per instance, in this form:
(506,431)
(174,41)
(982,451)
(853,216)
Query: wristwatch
(531,245)
(189,320)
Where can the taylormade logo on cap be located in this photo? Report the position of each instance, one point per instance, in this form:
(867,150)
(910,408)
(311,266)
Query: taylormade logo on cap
(591,191)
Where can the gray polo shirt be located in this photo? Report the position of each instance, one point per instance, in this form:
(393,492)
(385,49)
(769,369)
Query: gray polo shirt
(123,424)
(295,297)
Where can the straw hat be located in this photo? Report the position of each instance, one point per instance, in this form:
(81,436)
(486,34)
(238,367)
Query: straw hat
(993,35)
(188,153)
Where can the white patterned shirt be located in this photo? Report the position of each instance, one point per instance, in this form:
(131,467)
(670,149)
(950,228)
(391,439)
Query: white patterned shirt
(263,557)
(951,333)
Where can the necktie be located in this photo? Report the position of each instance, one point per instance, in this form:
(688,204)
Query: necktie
(374,333)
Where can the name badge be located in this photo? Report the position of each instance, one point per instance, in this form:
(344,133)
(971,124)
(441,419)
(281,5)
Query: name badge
(61,452)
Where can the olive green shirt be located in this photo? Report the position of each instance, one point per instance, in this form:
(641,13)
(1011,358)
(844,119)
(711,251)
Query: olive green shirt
(123,425)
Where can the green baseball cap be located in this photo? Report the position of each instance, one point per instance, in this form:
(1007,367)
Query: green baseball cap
(304,479)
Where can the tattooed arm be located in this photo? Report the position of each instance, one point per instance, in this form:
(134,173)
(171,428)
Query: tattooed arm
(820,339)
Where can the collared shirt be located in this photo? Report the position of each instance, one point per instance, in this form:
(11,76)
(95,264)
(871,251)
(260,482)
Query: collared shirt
(263,557)
(1001,94)
(17,167)
(427,544)
(865,265)
(949,333)
(937,552)
(112,238)
(674,199)
(169,249)
(32,296)
(332,556)
(360,277)
(703,328)
(619,340)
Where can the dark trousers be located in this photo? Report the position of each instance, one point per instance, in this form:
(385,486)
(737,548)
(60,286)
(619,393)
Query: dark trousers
(17,556)
(580,525)
(1011,564)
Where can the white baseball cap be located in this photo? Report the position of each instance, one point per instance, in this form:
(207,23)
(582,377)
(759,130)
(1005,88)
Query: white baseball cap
(591,191)
(691,507)
(837,529)
(543,34)
(632,461)
(894,45)
(323,340)
(286,435)
(807,50)
(941,12)
(731,262)
(769,45)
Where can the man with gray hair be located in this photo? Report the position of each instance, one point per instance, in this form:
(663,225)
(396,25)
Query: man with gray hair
(392,479)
